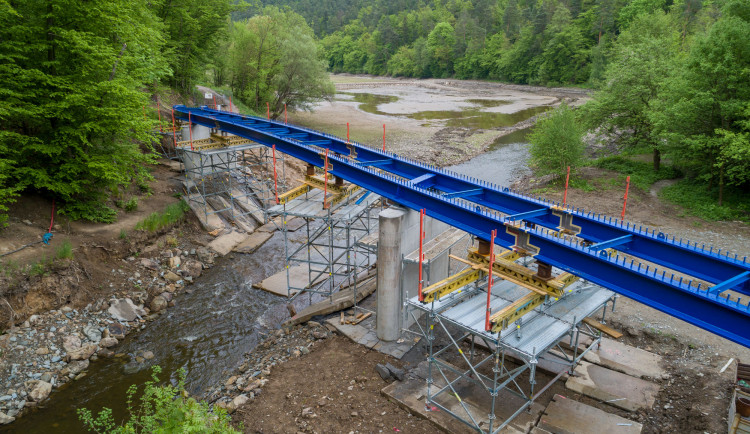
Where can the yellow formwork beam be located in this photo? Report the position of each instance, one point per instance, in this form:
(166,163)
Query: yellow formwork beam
(294,193)
(501,319)
(452,283)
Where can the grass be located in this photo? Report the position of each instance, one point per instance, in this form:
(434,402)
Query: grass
(123,234)
(699,201)
(173,214)
(642,174)
(64,250)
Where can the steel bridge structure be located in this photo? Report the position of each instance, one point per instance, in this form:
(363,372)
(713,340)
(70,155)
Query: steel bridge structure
(695,283)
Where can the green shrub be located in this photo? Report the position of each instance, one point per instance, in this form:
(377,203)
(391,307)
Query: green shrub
(131,205)
(158,221)
(64,251)
(556,142)
(642,174)
(123,234)
(699,201)
(162,409)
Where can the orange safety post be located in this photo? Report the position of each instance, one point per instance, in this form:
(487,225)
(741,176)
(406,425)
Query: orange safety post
(284,113)
(325,180)
(190,127)
(347,133)
(489,280)
(268,110)
(625,200)
(174,131)
(383,137)
(158,111)
(567,179)
(214,97)
(275,184)
(422,213)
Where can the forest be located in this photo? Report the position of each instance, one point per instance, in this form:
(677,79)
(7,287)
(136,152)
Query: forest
(670,77)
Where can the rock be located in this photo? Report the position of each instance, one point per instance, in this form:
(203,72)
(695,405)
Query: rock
(313,324)
(131,368)
(83,353)
(47,377)
(320,335)
(150,264)
(633,332)
(167,296)
(43,351)
(304,350)
(117,330)
(105,352)
(125,310)
(92,332)
(41,391)
(158,303)
(255,384)
(308,412)
(5,419)
(172,277)
(395,372)
(108,342)
(71,343)
(174,262)
(192,268)
(385,374)
(148,355)
(240,400)
(231,380)
(205,255)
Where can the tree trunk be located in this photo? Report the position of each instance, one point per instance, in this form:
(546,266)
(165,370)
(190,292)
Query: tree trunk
(657,159)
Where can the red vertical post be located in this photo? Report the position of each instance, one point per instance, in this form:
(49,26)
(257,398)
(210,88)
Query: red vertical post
(285,119)
(422,213)
(158,111)
(489,280)
(567,179)
(625,200)
(347,133)
(275,184)
(325,180)
(174,131)
(190,127)
(383,137)
(268,110)
(214,97)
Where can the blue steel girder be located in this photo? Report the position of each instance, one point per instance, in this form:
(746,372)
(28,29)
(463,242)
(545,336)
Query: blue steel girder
(655,288)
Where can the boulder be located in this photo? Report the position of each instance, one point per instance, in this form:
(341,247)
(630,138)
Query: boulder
(43,351)
(74,368)
(108,342)
(174,262)
(84,352)
(92,332)
(125,310)
(172,277)
(192,268)
(150,264)
(41,391)
(117,330)
(240,400)
(5,419)
(71,343)
(158,303)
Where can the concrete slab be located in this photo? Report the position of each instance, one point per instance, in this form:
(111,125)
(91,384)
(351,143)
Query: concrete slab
(225,243)
(253,242)
(614,388)
(551,362)
(338,301)
(364,334)
(293,224)
(209,222)
(626,359)
(566,416)
(271,226)
(278,284)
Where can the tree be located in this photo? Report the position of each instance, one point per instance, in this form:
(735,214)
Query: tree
(644,56)
(556,141)
(565,55)
(440,42)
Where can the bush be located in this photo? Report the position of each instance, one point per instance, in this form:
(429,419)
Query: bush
(699,201)
(162,409)
(131,205)
(556,142)
(158,221)
(642,174)
(64,251)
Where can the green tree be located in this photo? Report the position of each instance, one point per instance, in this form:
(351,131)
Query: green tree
(556,141)
(440,43)
(73,77)
(565,55)
(644,56)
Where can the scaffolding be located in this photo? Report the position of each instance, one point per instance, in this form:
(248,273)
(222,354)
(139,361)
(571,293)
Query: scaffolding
(333,218)
(471,385)
(232,177)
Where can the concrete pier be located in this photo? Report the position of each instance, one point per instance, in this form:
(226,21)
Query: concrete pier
(389,273)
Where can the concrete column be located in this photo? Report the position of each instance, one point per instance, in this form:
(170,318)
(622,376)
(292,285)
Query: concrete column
(389,274)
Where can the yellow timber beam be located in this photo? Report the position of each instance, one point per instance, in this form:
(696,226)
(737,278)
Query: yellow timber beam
(294,193)
(452,283)
(501,319)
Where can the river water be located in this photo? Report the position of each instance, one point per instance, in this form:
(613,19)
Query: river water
(223,317)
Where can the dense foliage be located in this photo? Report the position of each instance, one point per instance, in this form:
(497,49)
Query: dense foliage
(76,77)
(556,142)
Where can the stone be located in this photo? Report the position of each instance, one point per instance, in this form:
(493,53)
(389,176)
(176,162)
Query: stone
(92,332)
(47,377)
(225,243)
(172,277)
(150,264)
(304,350)
(395,372)
(167,296)
(385,374)
(43,351)
(204,255)
(240,400)
(565,415)
(125,310)
(192,268)
(5,419)
(174,262)
(626,359)
(117,330)
(319,335)
(158,303)
(41,391)
(148,355)
(71,343)
(84,352)
(108,342)
(231,380)
(614,388)
(167,254)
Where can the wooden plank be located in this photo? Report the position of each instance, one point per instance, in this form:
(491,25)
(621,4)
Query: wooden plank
(603,328)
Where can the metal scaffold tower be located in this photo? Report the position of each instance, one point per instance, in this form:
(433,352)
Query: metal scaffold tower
(486,341)
(334,217)
(231,176)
